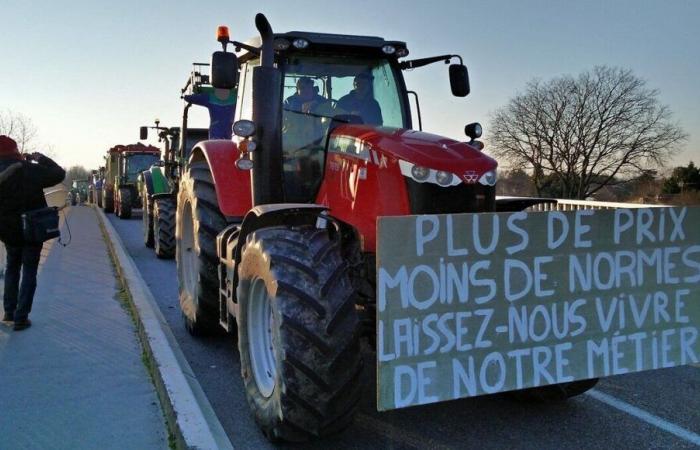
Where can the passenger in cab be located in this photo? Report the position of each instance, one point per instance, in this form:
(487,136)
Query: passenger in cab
(360,101)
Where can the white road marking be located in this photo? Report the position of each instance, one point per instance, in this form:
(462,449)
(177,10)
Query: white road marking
(645,416)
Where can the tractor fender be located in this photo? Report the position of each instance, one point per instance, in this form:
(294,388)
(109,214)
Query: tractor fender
(232,185)
(288,214)
(146,179)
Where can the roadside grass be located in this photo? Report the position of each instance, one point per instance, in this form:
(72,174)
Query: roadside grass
(123,296)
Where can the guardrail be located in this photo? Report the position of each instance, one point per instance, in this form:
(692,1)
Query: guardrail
(560,204)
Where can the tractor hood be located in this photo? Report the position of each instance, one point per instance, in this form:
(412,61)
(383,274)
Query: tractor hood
(418,148)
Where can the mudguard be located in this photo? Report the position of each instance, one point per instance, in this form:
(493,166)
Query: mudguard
(232,184)
(230,241)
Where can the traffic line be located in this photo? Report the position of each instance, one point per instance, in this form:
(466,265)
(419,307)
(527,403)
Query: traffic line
(645,416)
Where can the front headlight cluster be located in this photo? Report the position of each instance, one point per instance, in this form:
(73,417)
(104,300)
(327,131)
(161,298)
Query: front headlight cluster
(426,175)
(489,178)
(443,178)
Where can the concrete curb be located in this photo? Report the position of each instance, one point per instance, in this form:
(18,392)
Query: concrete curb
(189,414)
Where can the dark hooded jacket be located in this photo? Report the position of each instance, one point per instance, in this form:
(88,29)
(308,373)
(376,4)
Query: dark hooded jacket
(22,186)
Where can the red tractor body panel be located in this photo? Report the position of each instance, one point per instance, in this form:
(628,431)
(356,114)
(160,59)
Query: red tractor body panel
(232,184)
(365,182)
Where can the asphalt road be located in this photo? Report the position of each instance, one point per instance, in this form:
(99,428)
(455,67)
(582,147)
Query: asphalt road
(657,409)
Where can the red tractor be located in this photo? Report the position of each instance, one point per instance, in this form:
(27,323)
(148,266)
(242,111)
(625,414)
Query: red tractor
(276,230)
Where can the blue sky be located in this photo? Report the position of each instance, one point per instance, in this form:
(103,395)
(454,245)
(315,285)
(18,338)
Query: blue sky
(89,73)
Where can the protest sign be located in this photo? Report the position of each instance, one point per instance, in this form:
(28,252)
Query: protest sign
(473,304)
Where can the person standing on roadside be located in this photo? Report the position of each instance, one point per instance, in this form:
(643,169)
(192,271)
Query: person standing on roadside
(22,182)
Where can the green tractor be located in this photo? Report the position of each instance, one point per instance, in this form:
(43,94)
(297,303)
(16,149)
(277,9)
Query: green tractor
(78,192)
(159,185)
(124,163)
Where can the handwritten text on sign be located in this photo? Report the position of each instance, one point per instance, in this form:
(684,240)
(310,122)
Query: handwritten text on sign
(472,304)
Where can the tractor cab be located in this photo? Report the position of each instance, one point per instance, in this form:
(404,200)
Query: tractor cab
(344,107)
(132,164)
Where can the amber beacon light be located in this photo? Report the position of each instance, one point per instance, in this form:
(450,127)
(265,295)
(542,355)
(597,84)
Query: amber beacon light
(222,34)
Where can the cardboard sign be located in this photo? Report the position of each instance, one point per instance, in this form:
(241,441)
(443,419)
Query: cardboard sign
(472,304)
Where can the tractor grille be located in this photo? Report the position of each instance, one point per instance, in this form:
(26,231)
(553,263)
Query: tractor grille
(427,198)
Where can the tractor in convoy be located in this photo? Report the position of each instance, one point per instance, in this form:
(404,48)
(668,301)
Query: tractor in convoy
(78,192)
(123,164)
(159,184)
(277,228)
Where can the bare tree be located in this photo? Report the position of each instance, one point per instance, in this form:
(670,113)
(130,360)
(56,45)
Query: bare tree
(581,134)
(75,173)
(20,128)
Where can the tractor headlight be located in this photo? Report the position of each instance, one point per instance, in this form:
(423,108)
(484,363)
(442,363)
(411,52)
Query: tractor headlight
(244,128)
(300,43)
(443,178)
(420,173)
(389,49)
(489,178)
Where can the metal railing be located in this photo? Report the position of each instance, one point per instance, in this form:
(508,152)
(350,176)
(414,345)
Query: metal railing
(560,204)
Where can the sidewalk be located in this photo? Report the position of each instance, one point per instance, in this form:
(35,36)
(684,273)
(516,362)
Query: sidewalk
(76,379)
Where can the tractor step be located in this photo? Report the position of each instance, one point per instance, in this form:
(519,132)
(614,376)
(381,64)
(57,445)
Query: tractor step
(225,247)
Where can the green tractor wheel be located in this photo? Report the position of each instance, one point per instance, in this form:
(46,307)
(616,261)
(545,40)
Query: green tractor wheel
(107,201)
(147,217)
(124,204)
(164,227)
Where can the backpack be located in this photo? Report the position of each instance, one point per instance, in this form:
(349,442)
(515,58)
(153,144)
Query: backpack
(11,204)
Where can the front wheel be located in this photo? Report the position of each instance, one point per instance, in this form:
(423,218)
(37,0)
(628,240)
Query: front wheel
(125,202)
(198,221)
(298,334)
(164,227)
(107,201)
(147,217)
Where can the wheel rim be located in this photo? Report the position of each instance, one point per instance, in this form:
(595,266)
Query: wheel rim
(262,357)
(188,257)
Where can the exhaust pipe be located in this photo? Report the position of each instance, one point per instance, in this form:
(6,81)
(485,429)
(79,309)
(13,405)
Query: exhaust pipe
(266,176)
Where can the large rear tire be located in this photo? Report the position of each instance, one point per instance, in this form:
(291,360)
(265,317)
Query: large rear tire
(554,392)
(198,221)
(125,202)
(164,227)
(147,219)
(298,333)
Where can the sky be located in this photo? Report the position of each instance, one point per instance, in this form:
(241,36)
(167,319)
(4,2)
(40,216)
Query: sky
(90,72)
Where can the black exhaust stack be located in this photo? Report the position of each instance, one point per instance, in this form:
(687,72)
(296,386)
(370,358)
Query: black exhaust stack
(266,177)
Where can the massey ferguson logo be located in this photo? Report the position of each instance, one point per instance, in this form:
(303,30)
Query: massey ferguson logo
(471,176)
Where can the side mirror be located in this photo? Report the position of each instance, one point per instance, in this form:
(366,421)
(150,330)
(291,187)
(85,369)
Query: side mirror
(224,70)
(143,133)
(459,80)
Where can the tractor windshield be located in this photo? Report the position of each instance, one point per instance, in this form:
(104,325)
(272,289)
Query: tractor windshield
(317,88)
(135,164)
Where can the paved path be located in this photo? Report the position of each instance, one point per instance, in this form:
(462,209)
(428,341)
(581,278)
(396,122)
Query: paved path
(75,379)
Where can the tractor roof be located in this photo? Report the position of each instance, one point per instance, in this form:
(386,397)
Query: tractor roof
(346,43)
(134,148)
